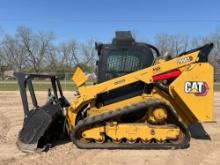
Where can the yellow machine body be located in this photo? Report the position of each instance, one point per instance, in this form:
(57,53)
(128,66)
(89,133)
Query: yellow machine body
(190,94)
(187,92)
(196,107)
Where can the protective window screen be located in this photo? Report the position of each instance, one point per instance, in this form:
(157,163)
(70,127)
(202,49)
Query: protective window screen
(124,61)
(115,63)
(132,62)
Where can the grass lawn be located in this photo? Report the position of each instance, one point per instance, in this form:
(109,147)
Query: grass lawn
(217,87)
(38,85)
(44,85)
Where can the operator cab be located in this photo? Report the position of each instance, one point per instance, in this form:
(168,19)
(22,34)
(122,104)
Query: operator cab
(124,55)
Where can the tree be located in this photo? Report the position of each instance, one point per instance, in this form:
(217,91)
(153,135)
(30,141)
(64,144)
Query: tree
(215,54)
(36,45)
(1,52)
(173,44)
(2,64)
(52,60)
(13,53)
(89,55)
(68,54)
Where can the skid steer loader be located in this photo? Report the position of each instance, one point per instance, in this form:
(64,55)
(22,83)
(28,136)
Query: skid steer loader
(140,101)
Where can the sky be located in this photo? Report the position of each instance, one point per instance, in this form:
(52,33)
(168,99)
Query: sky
(99,19)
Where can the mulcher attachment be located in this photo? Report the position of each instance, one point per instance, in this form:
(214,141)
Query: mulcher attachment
(42,124)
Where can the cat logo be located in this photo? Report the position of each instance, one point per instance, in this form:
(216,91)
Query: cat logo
(199,88)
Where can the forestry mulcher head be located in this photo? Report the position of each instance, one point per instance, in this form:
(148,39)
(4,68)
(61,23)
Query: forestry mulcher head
(42,124)
(140,101)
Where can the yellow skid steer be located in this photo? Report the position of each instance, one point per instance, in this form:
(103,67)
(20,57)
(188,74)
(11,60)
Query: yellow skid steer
(139,101)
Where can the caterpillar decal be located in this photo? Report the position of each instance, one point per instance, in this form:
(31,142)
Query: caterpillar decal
(199,88)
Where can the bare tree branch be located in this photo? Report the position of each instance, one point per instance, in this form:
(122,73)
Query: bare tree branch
(37,46)
(89,54)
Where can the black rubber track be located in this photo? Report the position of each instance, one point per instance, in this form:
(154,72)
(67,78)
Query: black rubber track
(90,122)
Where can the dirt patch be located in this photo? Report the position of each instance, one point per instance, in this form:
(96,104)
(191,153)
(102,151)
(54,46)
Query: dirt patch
(11,117)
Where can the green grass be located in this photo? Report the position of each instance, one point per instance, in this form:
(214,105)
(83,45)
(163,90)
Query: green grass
(44,85)
(38,86)
(217,87)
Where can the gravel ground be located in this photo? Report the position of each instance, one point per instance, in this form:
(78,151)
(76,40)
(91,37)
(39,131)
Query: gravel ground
(11,117)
